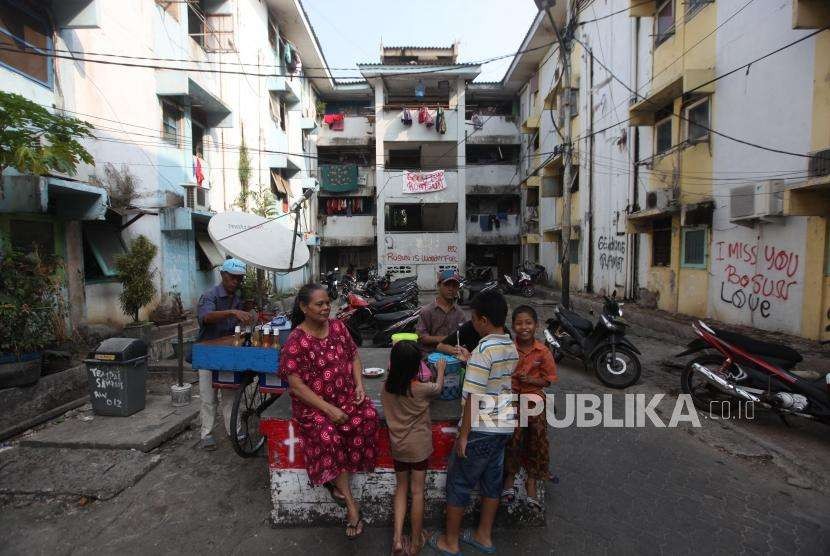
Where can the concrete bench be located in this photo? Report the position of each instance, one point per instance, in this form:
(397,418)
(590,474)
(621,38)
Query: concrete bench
(296,503)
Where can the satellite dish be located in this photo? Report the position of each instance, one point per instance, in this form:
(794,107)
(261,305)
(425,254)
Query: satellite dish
(261,242)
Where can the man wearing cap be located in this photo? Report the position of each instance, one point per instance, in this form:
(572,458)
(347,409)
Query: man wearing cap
(219,313)
(442,316)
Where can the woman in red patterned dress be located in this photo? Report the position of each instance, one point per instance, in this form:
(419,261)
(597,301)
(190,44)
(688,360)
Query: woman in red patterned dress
(337,422)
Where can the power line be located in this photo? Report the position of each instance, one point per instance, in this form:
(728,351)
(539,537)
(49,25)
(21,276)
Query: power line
(717,78)
(614,13)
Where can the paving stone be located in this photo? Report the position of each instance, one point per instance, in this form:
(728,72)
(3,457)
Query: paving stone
(145,430)
(100,474)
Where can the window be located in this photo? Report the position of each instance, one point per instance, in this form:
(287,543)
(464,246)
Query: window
(693,254)
(102,244)
(664,22)
(697,120)
(208,256)
(573,251)
(536,141)
(662,135)
(827,255)
(661,242)
(23,37)
(694,6)
(574,102)
(30,235)
(404,159)
(430,217)
(170,117)
(277,105)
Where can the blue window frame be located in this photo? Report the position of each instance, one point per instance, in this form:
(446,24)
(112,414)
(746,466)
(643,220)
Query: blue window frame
(25,41)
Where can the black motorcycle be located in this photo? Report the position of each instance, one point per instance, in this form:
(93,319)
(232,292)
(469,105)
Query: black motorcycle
(403,321)
(331,281)
(601,346)
(468,289)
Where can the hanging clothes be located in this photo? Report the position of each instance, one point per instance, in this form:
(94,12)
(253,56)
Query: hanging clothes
(485,223)
(440,121)
(477,122)
(425,117)
(495,220)
(335,122)
(406,117)
(197,170)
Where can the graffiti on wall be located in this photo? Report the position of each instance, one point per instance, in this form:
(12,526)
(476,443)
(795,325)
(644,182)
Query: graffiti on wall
(451,256)
(611,253)
(756,278)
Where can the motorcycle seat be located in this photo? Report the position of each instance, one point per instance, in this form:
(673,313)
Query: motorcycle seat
(776,354)
(392,317)
(578,322)
(386,300)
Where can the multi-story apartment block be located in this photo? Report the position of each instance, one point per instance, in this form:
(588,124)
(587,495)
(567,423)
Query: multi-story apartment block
(173,89)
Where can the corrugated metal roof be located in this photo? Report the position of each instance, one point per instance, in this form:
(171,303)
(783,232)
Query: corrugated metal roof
(420,47)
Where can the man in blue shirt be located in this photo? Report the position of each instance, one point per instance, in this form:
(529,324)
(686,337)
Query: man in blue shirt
(219,313)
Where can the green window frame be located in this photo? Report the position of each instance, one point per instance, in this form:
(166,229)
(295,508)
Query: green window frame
(698,253)
(105,244)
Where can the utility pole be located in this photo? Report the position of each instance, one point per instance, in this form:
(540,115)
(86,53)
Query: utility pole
(564,37)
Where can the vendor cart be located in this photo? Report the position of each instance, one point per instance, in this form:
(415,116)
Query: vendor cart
(252,373)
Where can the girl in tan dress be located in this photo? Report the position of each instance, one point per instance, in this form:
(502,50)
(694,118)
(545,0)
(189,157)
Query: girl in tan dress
(406,406)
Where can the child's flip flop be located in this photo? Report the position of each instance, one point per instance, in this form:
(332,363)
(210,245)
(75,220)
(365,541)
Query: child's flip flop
(508,496)
(433,544)
(467,538)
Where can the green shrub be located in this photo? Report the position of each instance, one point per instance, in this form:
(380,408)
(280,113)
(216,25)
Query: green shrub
(134,272)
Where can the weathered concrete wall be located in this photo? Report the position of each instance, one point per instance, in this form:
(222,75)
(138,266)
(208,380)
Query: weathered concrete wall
(348,230)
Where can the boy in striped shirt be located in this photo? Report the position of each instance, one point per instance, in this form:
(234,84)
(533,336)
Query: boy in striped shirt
(478,458)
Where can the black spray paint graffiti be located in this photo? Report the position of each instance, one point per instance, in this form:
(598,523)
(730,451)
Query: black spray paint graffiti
(739,299)
(611,253)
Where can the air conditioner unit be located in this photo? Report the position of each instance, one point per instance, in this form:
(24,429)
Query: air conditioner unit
(819,164)
(659,199)
(756,201)
(196,198)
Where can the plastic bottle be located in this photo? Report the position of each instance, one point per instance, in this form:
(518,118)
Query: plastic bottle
(238,340)
(275,342)
(266,336)
(256,337)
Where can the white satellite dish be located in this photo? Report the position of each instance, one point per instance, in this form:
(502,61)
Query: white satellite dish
(261,242)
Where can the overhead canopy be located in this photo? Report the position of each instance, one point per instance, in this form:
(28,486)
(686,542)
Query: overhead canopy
(643,112)
(177,84)
(209,249)
(76,200)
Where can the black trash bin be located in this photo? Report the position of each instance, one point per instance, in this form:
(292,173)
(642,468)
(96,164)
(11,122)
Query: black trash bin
(117,376)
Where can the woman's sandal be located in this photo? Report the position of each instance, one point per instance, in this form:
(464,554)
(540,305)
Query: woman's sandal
(405,547)
(508,496)
(357,527)
(335,494)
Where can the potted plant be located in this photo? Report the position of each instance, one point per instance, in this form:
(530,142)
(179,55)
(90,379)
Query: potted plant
(134,272)
(31,314)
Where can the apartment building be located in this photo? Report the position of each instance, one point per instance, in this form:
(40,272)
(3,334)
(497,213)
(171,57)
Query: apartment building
(430,163)
(168,116)
(695,190)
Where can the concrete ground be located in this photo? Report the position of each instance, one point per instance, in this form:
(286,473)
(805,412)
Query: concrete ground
(754,486)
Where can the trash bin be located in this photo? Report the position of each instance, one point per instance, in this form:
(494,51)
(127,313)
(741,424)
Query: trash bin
(117,376)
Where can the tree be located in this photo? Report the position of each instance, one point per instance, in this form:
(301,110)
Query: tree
(33,140)
(244,171)
(135,275)
(263,203)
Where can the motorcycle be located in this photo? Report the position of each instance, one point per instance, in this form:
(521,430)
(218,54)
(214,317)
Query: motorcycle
(601,346)
(364,314)
(404,323)
(331,281)
(743,369)
(521,284)
(469,289)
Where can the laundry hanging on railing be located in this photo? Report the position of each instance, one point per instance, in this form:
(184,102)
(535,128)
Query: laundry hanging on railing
(477,122)
(338,177)
(424,182)
(440,121)
(406,117)
(335,122)
(425,117)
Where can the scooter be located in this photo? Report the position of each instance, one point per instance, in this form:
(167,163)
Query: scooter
(742,369)
(601,346)
(364,314)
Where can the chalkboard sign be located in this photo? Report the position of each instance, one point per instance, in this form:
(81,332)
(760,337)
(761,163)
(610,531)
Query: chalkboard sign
(117,389)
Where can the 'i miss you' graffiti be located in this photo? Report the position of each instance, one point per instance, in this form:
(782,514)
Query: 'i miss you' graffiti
(756,278)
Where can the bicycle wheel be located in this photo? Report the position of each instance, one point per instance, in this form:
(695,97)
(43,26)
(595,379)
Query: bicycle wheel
(246,437)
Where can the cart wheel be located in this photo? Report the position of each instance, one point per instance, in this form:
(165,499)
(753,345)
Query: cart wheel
(247,439)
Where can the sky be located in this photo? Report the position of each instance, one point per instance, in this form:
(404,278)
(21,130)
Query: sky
(350,31)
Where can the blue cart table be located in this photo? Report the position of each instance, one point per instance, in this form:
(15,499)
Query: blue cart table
(252,372)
